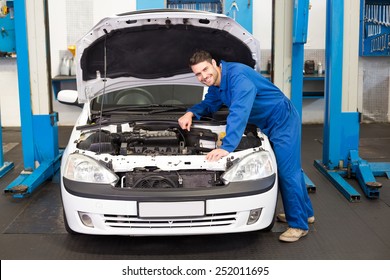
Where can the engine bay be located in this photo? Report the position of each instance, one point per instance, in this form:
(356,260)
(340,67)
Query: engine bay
(150,138)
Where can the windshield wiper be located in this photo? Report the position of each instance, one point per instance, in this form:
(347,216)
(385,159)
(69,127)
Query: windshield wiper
(166,108)
(161,108)
(127,107)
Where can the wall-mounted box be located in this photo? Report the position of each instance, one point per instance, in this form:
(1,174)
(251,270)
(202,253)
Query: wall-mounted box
(7,31)
(375,28)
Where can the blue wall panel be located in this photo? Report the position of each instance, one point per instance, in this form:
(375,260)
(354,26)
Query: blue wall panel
(150,4)
(7,31)
(241,11)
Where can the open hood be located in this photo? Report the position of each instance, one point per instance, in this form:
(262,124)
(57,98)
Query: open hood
(150,46)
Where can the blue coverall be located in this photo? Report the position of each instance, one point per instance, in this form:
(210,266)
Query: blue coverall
(251,98)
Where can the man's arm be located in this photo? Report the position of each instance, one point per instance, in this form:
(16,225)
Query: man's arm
(243,93)
(211,103)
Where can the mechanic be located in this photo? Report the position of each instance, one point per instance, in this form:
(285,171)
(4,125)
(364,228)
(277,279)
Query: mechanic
(251,98)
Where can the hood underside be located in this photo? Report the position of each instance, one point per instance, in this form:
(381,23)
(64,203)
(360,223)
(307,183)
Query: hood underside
(157,44)
(156,51)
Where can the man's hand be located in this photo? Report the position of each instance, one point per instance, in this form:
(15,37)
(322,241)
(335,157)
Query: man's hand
(216,154)
(185,121)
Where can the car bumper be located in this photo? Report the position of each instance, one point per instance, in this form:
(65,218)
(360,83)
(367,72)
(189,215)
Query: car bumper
(119,211)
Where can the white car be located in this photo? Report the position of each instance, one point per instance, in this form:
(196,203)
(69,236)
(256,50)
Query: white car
(129,169)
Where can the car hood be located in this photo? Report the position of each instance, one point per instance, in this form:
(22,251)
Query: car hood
(154,46)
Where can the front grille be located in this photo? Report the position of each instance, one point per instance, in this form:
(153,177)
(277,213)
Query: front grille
(155,182)
(211,220)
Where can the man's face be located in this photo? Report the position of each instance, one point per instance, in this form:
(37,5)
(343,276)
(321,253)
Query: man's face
(207,73)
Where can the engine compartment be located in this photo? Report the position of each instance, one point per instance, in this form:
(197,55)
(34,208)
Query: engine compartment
(150,138)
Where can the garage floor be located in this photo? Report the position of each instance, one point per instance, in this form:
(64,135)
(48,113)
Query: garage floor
(32,228)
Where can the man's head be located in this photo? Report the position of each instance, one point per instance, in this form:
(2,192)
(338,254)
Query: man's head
(205,68)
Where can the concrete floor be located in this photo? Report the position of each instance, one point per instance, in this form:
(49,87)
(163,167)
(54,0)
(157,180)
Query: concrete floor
(32,227)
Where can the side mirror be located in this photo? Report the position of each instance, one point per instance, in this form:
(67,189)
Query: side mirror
(69,97)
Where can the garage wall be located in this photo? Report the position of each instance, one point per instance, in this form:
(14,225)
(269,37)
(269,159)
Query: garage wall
(9,93)
(71,19)
(375,77)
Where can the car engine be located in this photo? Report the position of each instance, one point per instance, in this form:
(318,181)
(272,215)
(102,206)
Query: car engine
(160,139)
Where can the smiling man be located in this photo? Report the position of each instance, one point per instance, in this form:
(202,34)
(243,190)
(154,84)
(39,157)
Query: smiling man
(251,98)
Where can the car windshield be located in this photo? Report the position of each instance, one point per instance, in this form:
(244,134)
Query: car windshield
(150,96)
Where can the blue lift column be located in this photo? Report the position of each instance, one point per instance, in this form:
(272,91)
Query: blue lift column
(299,38)
(41,156)
(341,129)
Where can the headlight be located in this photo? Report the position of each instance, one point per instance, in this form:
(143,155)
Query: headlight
(251,167)
(82,168)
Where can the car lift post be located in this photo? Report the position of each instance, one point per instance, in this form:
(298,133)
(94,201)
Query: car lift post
(299,38)
(41,156)
(341,129)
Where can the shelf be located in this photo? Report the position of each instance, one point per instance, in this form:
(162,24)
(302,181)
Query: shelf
(309,79)
(314,77)
(64,78)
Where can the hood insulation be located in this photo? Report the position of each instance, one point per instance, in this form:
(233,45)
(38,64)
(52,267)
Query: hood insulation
(155,51)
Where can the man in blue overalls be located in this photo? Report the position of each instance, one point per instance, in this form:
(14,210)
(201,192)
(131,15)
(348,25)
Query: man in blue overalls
(251,98)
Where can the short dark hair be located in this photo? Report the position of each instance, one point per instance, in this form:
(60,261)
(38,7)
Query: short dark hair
(200,56)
